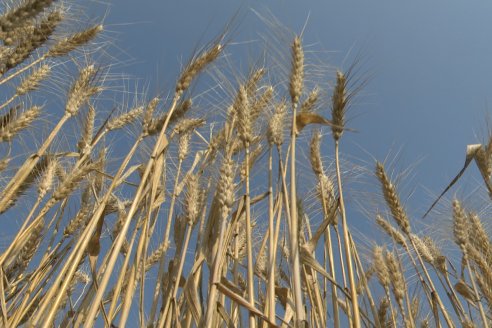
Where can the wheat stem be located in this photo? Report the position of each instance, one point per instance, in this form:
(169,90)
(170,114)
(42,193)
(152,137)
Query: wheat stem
(348,253)
(271,237)
(249,242)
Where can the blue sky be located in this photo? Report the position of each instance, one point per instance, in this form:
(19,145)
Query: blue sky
(429,63)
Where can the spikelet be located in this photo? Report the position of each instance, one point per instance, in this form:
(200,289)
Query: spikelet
(32,243)
(98,179)
(396,278)
(119,223)
(219,139)
(61,173)
(392,199)
(87,130)
(439,259)
(9,117)
(77,221)
(485,286)
(32,82)
(23,121)
(25,255)
(339,104)
(188,125)
(47,178)
(184,145)
(4,163)
(243,111)
(68,44)
(259,105)
(315,158)
(193,199)
(310,102)
(196,66)
(383,313)
(156,124)
(36,172)
(390,230)
(155,256)
(17,35)
(241,282)
(149,111)
(275,133)
(380,265)
(415,308)
(460,227)
(481,262)
(31,41)
(262,263)
(422,249)
(326,194)
(239,244)
(253,80)
(362,282)
(225,187)
(73,179)
(22,14)
(478,237)
(297,71)
(124,119)
(82,89)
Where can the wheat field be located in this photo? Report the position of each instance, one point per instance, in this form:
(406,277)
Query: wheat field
(204,209)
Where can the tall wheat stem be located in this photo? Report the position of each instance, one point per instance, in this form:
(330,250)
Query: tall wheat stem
(365,283)
(171,206)
(348,253)
(121,281)
(249,243)
(271,236)
(294,228)
(331,261)
(225,195)
(138,267)
(166,243)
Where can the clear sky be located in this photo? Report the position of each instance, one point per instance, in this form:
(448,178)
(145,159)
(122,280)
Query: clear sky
(429,62)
